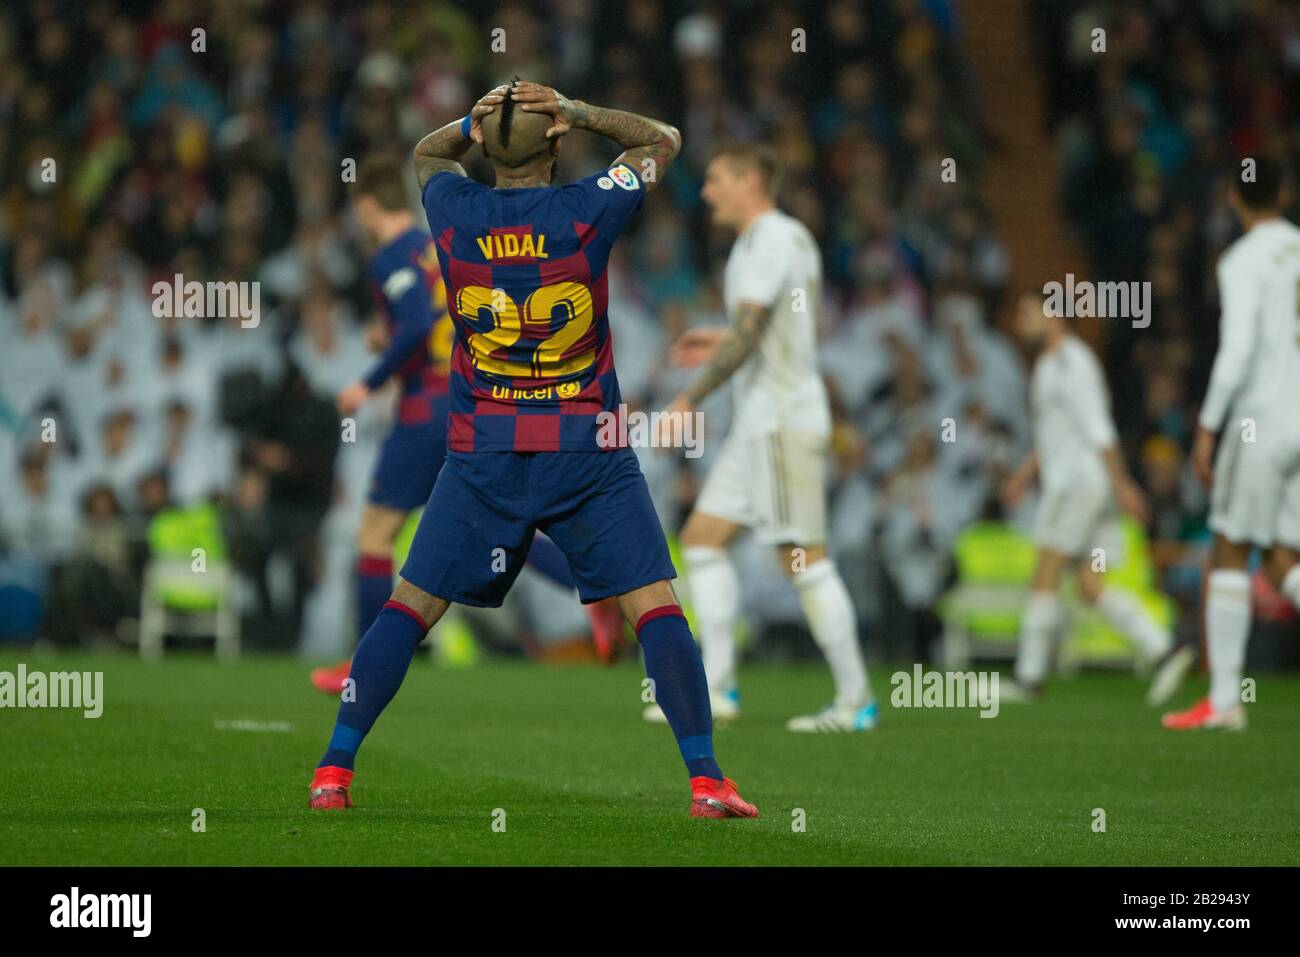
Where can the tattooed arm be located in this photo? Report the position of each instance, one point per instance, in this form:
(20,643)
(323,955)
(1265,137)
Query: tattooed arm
(440,150)
(735,346)
(642,139)
(438,153)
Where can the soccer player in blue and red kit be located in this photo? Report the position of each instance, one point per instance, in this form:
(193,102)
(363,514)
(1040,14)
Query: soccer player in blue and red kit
(408,288)
(532,390)
(407,283)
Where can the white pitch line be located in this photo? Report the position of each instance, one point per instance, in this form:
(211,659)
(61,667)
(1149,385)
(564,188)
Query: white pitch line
(245,724)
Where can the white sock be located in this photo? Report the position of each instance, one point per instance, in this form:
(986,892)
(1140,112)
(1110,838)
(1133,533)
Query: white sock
(1127,615)
(1037,625)
(834,626)
(1291,585)
(715,596)
(1227,626)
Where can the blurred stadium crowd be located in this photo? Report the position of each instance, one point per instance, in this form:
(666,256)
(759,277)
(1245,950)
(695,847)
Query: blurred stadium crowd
(225,164)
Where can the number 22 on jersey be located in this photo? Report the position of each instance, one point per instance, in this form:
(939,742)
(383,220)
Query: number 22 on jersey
(508,322)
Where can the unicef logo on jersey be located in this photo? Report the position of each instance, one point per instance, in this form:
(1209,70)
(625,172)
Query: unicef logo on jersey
(542,393)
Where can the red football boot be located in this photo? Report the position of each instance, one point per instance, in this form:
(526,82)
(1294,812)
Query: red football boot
(329,789)
(713,798)
(1202,716)
(606,621)
(330,680)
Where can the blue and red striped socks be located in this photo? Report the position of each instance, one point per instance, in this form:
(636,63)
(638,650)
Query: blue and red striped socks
(673,663)
(374,585)
(378,668)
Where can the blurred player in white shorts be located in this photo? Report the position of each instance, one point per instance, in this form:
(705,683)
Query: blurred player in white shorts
(770,474)
(1084,484)
(1253,407)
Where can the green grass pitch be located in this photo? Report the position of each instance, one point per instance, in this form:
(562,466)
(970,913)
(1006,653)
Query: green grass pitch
(583,780)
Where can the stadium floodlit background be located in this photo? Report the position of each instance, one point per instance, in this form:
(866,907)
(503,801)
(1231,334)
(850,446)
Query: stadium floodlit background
(225,164)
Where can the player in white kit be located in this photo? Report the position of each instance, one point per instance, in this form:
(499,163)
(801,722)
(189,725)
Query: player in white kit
(1253,408)
(770,473)
(1084,482)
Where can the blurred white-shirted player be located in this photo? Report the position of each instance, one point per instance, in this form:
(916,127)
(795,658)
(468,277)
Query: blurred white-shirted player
(1083,482)
(1253,406)
(770,473)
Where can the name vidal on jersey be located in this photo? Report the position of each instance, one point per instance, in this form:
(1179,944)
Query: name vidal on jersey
(513,246)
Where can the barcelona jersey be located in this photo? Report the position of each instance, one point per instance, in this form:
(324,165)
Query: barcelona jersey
(408,286)
(532,365)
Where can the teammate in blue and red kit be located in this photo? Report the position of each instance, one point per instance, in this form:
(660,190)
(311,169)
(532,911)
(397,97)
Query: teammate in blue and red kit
(533,395)
(407,283)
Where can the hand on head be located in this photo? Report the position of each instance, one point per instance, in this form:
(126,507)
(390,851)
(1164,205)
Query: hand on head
(486,104)
(536,98)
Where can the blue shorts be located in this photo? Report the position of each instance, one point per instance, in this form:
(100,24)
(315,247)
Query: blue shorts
(479,524)
(409,463)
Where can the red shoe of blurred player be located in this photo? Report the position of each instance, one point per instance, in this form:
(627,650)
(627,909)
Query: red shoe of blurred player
(329,789)
(606,621)
(713,798)
(330,680)
(1202,717)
